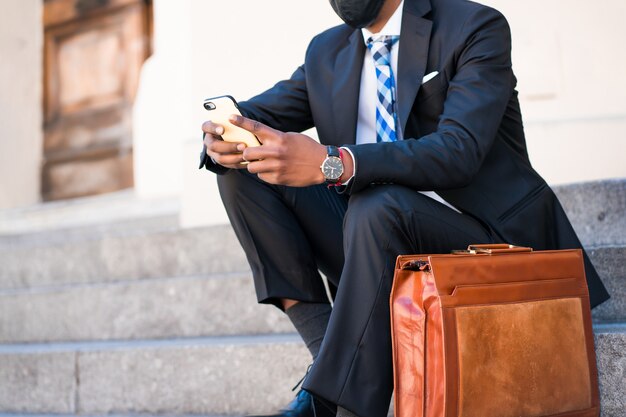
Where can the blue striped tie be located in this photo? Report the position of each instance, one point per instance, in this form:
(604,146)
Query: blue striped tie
(386,103)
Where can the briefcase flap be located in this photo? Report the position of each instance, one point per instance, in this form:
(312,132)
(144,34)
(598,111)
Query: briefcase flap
(477,278)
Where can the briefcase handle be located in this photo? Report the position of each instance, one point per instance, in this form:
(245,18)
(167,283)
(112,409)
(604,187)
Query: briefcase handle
(487,249)
(492,248)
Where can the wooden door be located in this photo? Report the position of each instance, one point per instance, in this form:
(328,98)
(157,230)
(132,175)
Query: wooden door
(93,53)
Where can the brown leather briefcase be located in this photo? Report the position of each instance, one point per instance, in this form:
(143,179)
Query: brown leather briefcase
(494,331)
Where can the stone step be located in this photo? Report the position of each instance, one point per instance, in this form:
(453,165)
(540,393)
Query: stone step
(610,341)
(140,309)
(206,376)
(597,211)
(117,257)
(610,263)
(190,306)
(64,235)
(211,376)
(108,415)
(111,258)
(119,251)
(122,210)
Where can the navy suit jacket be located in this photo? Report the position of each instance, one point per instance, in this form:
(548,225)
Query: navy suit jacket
(463,129)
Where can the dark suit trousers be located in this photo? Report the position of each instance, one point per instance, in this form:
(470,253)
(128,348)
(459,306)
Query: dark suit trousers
(289,234)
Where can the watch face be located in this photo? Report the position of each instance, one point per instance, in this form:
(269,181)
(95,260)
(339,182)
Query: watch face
(332,168)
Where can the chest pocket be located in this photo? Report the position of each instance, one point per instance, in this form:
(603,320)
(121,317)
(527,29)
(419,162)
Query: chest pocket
(429,102)
(436,86)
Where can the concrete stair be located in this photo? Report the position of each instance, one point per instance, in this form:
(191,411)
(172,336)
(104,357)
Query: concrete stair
(211,376)
(149,319)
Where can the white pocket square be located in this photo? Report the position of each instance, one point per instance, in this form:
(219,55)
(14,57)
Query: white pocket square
(429,77)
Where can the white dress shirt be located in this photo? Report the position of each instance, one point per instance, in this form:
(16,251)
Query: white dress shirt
(366,122)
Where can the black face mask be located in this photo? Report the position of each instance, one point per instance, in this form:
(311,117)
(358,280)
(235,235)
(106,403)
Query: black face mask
(357,13)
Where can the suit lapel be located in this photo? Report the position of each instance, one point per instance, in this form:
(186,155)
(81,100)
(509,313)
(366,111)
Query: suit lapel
(413,55)
(412,60)
(346,88)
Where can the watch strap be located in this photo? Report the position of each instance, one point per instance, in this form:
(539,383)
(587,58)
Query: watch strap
(333,151)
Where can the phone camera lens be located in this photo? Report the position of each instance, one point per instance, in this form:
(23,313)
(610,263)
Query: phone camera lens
(209,106)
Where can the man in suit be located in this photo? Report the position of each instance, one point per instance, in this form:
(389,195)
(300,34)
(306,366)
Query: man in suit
(421,133)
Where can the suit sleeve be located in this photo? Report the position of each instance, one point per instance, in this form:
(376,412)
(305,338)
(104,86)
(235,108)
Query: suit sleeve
(476,100)
(284,107)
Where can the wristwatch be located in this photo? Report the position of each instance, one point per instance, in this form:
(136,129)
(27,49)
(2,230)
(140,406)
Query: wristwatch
(332,167)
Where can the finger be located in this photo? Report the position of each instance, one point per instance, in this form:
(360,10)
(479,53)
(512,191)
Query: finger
(260,167)
(251,126)
(212,128)
(254,155)
(263,152)
(229,160)
(223,147)
(208,138)
(225,161)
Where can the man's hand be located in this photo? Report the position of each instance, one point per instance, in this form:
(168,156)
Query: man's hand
(227,154)
(291,159)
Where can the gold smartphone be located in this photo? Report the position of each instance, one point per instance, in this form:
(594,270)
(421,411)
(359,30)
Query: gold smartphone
(220,108)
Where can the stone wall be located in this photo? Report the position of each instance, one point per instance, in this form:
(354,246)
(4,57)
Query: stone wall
(20,102)
(568,58)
